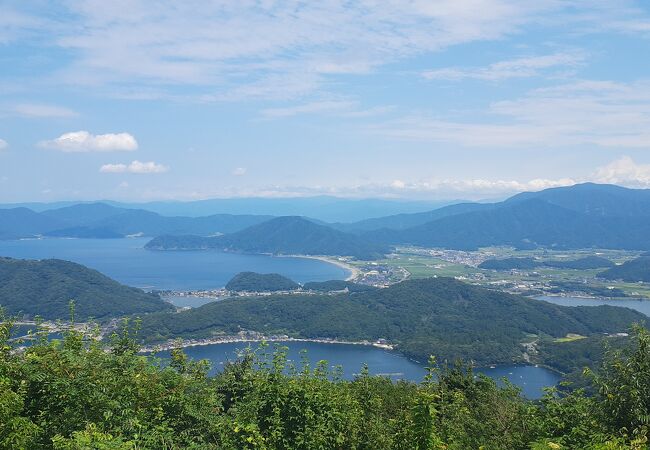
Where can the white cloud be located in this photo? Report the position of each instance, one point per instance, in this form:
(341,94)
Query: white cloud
(295,46)
(134,167)
(42,111)
(210,44)
(597,113)
(514,68)
(470,188)
(624,171)
(83,141)
(239,171)
(3,144)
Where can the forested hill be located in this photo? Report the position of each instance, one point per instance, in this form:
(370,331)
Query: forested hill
(283,235)
(635,270)
(45,288)
(440,316)
(257,282)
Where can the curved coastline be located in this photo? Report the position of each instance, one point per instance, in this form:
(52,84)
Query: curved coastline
(354,271)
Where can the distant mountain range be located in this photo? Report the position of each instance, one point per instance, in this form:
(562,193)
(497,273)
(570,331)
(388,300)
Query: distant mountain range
(45,288)
(99,220)
(283,235)
(323,208)
(581,216)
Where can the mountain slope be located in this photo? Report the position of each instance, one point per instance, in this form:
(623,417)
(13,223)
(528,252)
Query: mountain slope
(45,288)
(404,221)
(439,316)
(99,220)
(283,235)
(22,222)
(526,223)
(635,270)
(604,200)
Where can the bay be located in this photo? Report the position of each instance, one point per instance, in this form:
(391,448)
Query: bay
(350,357)
(127,261)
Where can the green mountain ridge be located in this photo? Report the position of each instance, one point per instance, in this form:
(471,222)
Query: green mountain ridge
(283,235)
(45,288)
(632,271)
(439,316)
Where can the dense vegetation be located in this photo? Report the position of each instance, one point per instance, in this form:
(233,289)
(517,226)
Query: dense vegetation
(585,263)
(99,220)
(337,285)
(257,282)
(45,288)
(441,316)
(283,235)
(74,394)
(635,270)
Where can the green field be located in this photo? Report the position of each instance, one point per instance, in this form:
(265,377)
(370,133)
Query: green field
(424,263)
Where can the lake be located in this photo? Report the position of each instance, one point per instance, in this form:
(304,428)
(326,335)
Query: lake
(126,261)
(642,306)
(351,357)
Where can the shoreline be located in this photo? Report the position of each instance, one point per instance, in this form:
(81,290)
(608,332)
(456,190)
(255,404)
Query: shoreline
(354,271)
(589,297)
(186,343)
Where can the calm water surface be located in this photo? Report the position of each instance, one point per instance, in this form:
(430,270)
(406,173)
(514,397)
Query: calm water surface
(126,261)
(642,306)
(530,379)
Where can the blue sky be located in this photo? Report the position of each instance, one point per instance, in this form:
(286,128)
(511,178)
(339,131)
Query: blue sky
(438,99)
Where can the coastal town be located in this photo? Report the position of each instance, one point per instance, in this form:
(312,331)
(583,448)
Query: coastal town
(246,336)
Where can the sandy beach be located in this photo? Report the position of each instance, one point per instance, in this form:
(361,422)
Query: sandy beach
(354,272)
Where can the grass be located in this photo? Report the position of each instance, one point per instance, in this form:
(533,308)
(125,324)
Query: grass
(570,338)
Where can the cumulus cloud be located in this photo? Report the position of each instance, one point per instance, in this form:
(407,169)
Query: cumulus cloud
(470,188)
(3,144)
(239,171)
(134,167)
(514,68)
(624,171)
(83,141)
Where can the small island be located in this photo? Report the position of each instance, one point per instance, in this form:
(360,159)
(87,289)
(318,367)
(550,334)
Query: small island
(260,282)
